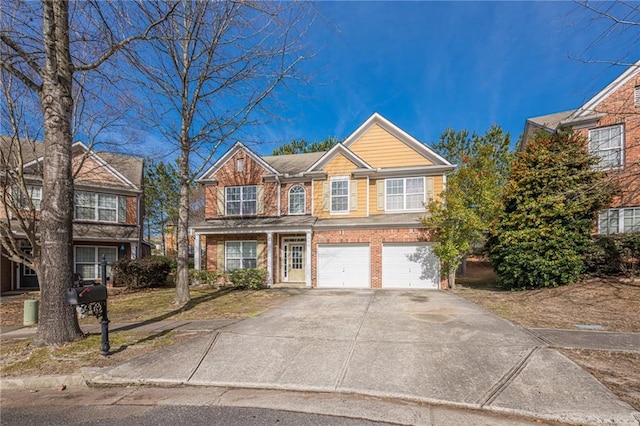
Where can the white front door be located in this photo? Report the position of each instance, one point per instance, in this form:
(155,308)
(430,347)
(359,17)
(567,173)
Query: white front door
(344,266)
(410,265)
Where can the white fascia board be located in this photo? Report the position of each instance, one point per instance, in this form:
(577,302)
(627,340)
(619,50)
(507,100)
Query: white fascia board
(103,163)
(406,171)
(622,79)
(204,230)
(338,148)
(205,177)
(400,134)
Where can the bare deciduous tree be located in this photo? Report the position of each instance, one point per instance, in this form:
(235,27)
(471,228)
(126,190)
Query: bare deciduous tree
(40,48)
(210,67)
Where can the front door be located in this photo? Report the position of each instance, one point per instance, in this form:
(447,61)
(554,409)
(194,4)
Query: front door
(294,262)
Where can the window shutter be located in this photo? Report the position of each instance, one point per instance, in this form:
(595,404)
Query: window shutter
(353,195)
(429,191)
(325,196)
(261,254)
(380,185)
(122,209)
(220,256)
(221,201)
(260,199)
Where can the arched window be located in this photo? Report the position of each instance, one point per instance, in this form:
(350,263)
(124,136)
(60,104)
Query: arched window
(296,200)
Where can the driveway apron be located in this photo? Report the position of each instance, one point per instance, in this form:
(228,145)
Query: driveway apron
(428,346)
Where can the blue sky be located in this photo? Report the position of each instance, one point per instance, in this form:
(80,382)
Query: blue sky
(427,66)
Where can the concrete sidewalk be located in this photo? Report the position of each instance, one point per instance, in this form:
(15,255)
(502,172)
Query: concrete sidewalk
(420,346)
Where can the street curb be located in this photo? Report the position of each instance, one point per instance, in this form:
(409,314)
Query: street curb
(42,382)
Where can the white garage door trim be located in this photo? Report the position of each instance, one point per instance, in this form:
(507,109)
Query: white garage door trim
(399,271)
(344,266)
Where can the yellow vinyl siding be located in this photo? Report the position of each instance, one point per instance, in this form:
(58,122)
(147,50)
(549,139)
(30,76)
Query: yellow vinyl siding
(381,149)
(340,166)
(373,193)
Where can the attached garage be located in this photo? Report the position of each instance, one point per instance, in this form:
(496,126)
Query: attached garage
(344,266)
(410,265)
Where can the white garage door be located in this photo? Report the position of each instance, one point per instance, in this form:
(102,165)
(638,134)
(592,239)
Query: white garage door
(409,266)
(344,265)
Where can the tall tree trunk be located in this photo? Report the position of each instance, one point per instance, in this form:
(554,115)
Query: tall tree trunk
(57,322)
(451,278)
(182,282)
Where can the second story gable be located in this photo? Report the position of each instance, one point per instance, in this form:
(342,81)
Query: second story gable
(610,122)
(379,169)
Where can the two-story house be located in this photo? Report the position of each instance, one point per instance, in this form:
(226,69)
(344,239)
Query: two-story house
(108,211)
(345,218)
(611,123)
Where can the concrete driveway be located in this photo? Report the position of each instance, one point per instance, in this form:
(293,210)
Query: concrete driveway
(428,346)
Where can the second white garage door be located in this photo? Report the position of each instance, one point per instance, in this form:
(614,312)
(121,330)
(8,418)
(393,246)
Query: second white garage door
(409,266)
(344,266)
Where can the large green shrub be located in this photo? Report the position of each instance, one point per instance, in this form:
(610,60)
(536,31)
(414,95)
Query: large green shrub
(611,255)
(550,207)
(248,278)
(149,271)
(201,276)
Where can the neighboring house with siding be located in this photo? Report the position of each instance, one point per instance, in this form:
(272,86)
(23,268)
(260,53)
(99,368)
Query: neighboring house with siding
(611,123)
(108,213)
(345,218)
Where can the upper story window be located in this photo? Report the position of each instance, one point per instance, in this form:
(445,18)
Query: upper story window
(340,195)
(296,200)
(33,192)
(606,143)
(241,200)
(100,207)
(613,221)
(404,194)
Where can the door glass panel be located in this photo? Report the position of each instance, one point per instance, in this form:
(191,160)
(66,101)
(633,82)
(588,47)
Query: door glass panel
(296,257)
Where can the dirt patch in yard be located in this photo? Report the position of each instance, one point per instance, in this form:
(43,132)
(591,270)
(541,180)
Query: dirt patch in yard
(611,303)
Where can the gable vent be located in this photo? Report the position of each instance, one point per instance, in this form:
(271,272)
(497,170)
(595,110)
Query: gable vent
(636,95)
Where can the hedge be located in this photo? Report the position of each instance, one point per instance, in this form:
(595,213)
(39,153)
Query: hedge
(149,271)
(613,255)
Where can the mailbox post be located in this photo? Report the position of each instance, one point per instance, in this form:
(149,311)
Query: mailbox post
(96,297)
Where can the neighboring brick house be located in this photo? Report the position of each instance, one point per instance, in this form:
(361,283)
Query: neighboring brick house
(108,213)
(611,123)
(345,218)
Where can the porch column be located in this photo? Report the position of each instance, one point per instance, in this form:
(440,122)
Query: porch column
(307,277)
(196,251)
(269,259)
(134,251)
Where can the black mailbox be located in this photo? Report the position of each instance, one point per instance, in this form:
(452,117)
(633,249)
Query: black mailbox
(86,294)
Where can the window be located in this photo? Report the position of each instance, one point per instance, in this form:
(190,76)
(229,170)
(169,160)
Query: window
(631,220)
(240,255)
(619,220)
(606,143)
(100,207)
(404,194)
(88,260)
(340,195)
(26,271)
(608,222)
(240,165)
(241,200)
(34,192)
(296,200)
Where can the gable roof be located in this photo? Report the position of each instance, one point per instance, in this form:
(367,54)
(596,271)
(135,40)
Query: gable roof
(590,106)
(339,149)
(413,143)
(128,169)
(239,146)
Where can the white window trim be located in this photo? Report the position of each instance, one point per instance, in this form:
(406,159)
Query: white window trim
(621,229)
(336,179)
(97,208)
(241,257)
(404,195)
(226,200)
(304,200)
(619,166)
(97,261)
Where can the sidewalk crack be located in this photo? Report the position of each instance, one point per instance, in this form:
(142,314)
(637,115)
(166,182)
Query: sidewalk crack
(501,385)
(343,371)
(204,355)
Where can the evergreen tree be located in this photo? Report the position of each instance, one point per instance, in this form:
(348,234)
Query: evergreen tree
(301,146)
(550,207)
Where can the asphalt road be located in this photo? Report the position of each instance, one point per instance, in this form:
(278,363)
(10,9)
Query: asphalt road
(165,415)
